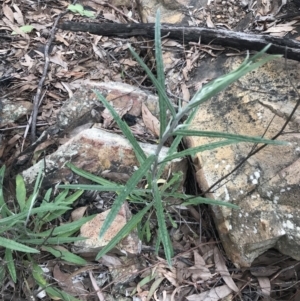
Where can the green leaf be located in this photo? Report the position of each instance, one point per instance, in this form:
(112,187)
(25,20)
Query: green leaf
(2,273)
(25,29)
(219,84)
(65,255)
(141,156)
(13,245)
(238,138)
(201,200)
(130,186)
(92,177)
(20,217)
(160,76)
(10,264)
(162,227)
(192,151)
(59,200)
(154,287)
(20,192)
(66,228)
(78,8)
(92,187)
(124,231)
(4,209)
(160,89)
(51,240)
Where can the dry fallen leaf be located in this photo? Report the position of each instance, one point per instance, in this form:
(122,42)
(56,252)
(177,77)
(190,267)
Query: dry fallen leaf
(66,283)
(265,285)
(222,269)
(150,121)
(215,294)
(199,270)
(209,22)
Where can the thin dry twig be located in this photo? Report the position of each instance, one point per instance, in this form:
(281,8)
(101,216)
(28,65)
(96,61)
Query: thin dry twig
(37,97)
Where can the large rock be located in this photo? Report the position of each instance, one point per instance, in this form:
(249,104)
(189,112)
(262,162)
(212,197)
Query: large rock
(96,151)
(266,187)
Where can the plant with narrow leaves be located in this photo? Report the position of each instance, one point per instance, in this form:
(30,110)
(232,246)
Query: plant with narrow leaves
(151,167)
(27,229)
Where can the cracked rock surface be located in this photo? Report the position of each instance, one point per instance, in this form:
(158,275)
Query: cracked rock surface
(266,187)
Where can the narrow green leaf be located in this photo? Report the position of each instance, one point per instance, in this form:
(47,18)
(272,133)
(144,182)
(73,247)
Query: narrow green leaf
(201,200)
(216,86)
(13,245)
(89,176)
(2,273)
(65,255)
(78,8)
(192,151)
(20,217)
(160,76)
(20,191)
(124,231)
(48,195)
(69,227)
(10,264)
(66,201)
(239,138)
(160,89)
(25,29)
(154,287)
(162,227)
(141,156)
(93,187)
(51,240)
(174,181)
(3,207)
(130,186)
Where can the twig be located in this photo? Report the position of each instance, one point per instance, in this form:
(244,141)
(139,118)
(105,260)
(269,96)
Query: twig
(37,97)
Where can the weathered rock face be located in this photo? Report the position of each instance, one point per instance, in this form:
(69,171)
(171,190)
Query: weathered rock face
(266,187)
(11,111)
(96,150)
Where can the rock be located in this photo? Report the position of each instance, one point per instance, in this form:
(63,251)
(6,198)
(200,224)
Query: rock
(130,245)
(266,187)
(96,150)
(76,111)
(10,111)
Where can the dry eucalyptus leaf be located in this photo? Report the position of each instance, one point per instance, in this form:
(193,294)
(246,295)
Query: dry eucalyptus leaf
(222,269)
(265,285)
(215,294)
(150,121)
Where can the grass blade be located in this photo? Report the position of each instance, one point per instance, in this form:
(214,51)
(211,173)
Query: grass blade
(51,240)
(141,156)
(160,76)
(13,245)
(66,228)
(200,200)
(130,186)
(160,89)
(10,264)
(20,192)
(192,151)
(92,187)
(216,86)
(238,138)
(3,207)
(162,227)
(124,231)
(89,176)
(64,255)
